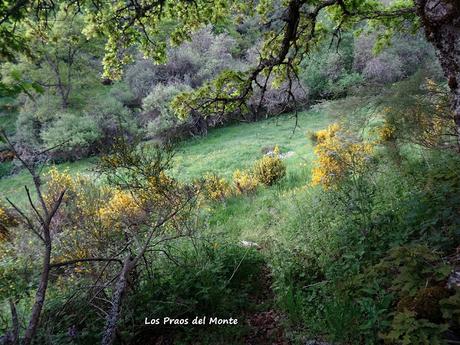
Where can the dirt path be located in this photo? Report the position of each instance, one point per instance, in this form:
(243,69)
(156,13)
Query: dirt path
(265,324)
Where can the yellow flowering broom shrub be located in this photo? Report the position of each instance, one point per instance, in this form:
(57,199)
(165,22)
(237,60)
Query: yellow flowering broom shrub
(244,182)
(338,157)
(82,197)
(158,189)
(386,133)
(3,216)
(57,181)
(122,208)
(216,188)
(269,169)
(90,217)
(6,221)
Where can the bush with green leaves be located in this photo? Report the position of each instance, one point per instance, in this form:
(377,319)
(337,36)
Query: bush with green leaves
(328,73)
(158,116)
(33,115)
(72,135)
(42,125)
(6,169)
(112,118)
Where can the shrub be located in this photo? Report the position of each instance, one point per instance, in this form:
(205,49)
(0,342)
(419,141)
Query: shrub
(123,93)
(386,133)
(192,63)
(158,116)
(244,182)
(384,69)
(407,329)
(32,117)
(91,217)
(112,118)
(201,59)
(6,222)
(73,135)
(44,124)
(5,168)
(141,77)
(329,74)
(360,272)
(202,282)
(404,57)
(278,100)
(425,118)
(121,209)
(312,136)
(211,280)
(216,188)
(338,157)
(269,169)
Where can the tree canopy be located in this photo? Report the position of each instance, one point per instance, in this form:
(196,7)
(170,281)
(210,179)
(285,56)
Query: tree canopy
(291,29)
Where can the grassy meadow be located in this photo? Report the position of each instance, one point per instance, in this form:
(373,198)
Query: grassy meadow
(222,151)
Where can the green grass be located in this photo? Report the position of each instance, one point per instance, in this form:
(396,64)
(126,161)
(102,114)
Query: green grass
(12,187)
(222,152)
(261,217)
(237,147)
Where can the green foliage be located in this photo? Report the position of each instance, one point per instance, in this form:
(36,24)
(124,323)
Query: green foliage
(61,61)
(66,319)
(160,117)
(214,282)
(206,279)
(8,120)
(73,135)
(451,308)
(16,270)
(425,118)
(361,274)
(406,330)
(111,117)
(41,124)
(222,89)
(355,265)
(364,263)
(409,265)
(329,74)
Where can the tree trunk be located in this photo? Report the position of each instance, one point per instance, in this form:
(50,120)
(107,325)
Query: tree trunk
(441,20)
(15,320)
(39,297)
(117,299)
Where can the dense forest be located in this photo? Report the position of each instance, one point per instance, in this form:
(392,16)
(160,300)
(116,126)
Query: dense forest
(229,172)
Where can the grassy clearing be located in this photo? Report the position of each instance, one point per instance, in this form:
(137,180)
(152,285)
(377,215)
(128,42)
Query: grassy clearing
(236,147)
(223,151)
